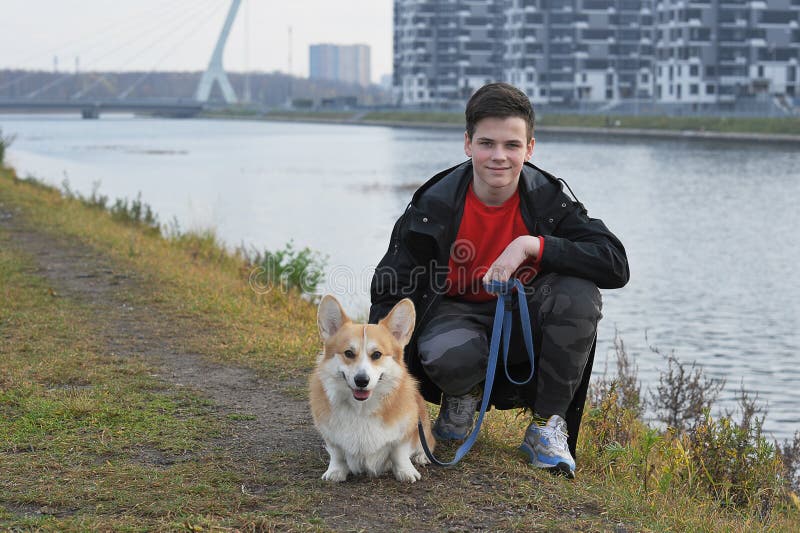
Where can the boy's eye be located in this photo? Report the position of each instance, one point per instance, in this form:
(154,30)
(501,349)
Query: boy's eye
(349,354)
(376,355)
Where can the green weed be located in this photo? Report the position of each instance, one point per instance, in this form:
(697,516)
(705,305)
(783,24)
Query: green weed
(5,142)
(290,268)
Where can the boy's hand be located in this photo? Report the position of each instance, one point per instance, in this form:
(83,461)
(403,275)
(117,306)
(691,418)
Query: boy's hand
(517,252)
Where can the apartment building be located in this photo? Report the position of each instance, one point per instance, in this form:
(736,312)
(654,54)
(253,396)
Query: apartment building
(347,63)
(597,51)
(725,50)
(579,50)
(445,49)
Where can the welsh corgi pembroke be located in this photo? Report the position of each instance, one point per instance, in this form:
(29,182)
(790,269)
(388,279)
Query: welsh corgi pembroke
(364,402)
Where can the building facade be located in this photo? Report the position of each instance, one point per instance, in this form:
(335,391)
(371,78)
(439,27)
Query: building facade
(346,63)
(445,49)
(598,52)
(579,50)
(726,50)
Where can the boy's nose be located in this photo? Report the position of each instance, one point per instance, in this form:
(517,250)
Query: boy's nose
(499,154)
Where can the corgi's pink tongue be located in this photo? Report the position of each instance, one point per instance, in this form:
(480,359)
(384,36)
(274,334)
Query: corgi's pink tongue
(360,395)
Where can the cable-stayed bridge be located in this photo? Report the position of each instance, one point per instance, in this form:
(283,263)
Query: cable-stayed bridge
(42,98)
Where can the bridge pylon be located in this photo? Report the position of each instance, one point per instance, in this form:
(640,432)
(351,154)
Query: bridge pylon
(215,71)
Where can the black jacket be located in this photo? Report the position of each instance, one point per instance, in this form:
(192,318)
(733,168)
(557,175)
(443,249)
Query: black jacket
(416,263)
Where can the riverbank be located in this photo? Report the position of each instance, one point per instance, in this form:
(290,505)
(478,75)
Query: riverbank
(159,391)
(773,130)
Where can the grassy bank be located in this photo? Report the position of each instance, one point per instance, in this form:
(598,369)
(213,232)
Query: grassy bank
(78,423)
(781,126)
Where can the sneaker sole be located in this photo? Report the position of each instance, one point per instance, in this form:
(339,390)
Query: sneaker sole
(560,469)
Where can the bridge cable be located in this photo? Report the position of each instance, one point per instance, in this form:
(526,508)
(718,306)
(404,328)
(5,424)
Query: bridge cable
(168,33)
(108,53)
(124,94)
(114,25)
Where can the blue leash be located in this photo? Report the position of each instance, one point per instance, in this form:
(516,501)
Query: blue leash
(501,327)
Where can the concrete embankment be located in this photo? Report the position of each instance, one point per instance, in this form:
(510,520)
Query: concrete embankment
(651,133)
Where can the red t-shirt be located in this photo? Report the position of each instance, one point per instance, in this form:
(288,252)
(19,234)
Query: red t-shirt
(484,233)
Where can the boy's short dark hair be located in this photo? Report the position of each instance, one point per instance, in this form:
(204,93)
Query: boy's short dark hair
(498,100)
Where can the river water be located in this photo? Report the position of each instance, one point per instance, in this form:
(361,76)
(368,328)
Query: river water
(709,226)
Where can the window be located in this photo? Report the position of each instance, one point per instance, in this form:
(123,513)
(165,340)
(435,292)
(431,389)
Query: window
(694,70)
(710,89)
(694,89)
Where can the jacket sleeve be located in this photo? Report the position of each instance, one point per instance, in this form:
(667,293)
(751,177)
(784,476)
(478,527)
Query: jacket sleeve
(584,247)
(397,276)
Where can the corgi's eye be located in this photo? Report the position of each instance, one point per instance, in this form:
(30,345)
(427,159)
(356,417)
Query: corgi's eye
(349,354)
(376,355)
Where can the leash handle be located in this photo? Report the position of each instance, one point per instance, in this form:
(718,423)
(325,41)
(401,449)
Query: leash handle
(501,328)
(527,335)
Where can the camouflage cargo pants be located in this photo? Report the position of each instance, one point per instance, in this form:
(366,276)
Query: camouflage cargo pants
(454,345)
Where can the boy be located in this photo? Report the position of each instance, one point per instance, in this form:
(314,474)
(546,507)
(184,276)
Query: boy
(495,217)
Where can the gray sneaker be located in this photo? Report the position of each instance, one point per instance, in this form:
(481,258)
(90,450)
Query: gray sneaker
(456,416)
(546,447)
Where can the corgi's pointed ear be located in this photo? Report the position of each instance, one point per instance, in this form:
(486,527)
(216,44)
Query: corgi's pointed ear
(330,317)
(400,320)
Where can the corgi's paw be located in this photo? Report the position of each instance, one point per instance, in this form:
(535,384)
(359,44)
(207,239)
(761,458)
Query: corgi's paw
(407,474)
(335,474)
(420,458)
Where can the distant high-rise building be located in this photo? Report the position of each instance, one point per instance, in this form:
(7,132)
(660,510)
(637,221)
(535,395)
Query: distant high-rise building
(347,63)
(597,51)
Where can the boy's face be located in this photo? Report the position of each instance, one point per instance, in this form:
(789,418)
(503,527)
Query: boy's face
(498,148)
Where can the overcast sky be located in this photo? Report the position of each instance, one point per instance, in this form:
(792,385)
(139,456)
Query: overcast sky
(180,34)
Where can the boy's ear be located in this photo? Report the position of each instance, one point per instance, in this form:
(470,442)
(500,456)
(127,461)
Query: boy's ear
(467,144)
(330,317)
(400,321)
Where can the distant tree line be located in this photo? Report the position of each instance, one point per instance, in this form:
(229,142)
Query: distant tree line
(273,89)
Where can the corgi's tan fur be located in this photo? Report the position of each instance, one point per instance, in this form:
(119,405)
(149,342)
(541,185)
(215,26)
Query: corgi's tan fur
(364,402)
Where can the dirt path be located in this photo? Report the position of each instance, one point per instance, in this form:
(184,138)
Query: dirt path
(272,434)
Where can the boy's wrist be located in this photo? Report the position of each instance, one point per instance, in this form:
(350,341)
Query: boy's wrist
(532,246)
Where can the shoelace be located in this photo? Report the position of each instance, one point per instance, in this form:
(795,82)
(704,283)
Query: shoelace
(461,408)
(555,435)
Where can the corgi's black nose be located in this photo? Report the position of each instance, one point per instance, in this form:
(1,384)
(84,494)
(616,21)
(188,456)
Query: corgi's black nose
(361,380)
